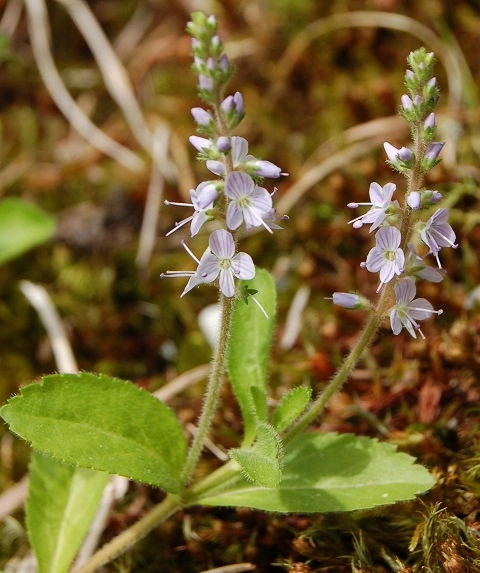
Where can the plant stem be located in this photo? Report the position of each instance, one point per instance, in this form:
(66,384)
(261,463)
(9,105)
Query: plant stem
(213,390)
(346,368)
(133,534)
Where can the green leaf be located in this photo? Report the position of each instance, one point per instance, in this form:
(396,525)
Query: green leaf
(22,226)
(61,505)
(290,407)
(249,349)
(101,423)
(330,472)
(261,462)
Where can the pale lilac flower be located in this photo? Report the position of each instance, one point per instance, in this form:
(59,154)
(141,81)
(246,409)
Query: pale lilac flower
(387,256)
(241,160)
(407,310)
(248,202)
(437,233)
(220,260)
(381,199)
(203,198)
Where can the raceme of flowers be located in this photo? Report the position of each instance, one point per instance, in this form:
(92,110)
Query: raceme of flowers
(237,197)
(400,229)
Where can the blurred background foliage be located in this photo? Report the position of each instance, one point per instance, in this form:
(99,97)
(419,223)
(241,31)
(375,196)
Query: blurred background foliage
(322,83)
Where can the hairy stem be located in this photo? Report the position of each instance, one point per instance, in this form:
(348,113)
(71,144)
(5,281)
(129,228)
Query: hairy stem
(346,368)
(213,390)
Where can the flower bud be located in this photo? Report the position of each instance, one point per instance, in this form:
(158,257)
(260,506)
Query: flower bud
(433,150)
(348,300)
(414,200)
(430,122)
(224,63)
(205,83)
(238,100)
(201,116)
(223,144)
(406,102)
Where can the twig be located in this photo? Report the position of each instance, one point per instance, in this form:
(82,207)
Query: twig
(39,31)
(113,72)
(153,203)
(38,297)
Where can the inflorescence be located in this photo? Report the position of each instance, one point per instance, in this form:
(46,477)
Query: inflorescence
(236,198)
(402,229)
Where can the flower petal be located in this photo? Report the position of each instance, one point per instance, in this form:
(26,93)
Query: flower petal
(216,167)
(420,309)
(243,267)
(239,150)
(238,185)
(226,282)
(405,291)
(208,268)
(221,244)
(192,282)
(234,216)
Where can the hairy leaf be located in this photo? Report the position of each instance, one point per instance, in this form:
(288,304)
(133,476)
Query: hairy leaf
(101,423)
(261,462)
(330,472)
(249,349)
(290,407)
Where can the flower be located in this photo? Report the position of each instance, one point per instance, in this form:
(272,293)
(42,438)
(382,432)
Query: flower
(203,198)
(416,267)
(407,310)
(437,233)
(248,202)
(381,199)
(220,260)
(387,256)
(241,160)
